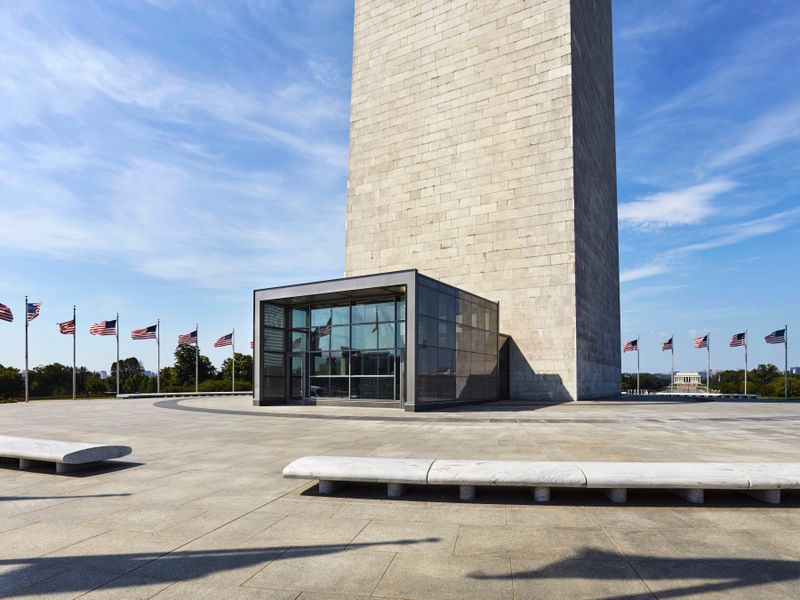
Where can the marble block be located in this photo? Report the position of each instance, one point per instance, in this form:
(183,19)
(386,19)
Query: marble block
(350,468)
(770,475)
(506,473)
(71,453)
(680,475)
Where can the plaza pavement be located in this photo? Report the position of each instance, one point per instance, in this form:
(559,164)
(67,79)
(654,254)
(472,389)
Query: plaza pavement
(200,510)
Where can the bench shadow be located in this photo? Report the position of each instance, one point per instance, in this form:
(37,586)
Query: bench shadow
(515,496)
(698,575)
(90,470)
(17,498)
(50,574)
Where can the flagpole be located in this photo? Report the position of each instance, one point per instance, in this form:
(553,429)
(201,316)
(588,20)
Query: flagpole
(638,390)
(708,362)
(117,331)
(196,357)
(786,361)
(26,349)
(233,360)
(158,356)
(74,362)
(745,362)
(672,378)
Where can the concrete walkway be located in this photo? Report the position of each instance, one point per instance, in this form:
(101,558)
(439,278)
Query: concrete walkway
(200,510)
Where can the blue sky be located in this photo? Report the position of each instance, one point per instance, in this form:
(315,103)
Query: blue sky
(162,159)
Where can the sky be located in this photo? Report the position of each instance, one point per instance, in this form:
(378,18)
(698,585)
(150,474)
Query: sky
(162,159)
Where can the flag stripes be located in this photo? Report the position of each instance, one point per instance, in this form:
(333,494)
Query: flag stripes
(225,340)
(739,339)
(776,337)
(667,345)
(67,327)
(146,333)
(33,309)
(104,328)
(187,338)
(6,314)
(701,342)
(631,346)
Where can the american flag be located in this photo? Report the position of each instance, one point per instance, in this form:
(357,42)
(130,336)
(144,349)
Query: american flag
(251,344)
(776,337)
(188,338)
(225,340)
(701,342)
(33,310)
(739,339)
(667,345)
(67,327)
(325,329)
(146,333)
(104,328)
(5,313)
(631,346)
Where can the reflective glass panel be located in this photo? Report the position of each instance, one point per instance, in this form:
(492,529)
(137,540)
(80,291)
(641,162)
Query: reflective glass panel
(299,341)
(273,364)
(401,309)
(365,313)
(340,337)
(428,331)
(320,364)
(446,362)
(299,318)
(339,363)
(386,335)
(274,387)
(340,315)
(320,338)
(340,387)
(427,301)
(447,306)
(296,366)
(385,311)
(320,316)
(365,337)
(372,388)
(320,386)
(427,361)
(446,334)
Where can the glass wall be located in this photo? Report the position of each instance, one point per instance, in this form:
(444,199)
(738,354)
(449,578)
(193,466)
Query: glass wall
(456,344)
(342,351)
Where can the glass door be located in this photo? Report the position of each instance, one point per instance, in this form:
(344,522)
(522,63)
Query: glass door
(297,376)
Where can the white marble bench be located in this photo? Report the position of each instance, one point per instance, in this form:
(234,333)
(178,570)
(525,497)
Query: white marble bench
(687,479)
(66,455)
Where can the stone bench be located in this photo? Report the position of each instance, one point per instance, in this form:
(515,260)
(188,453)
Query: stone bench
(687,479)
(67,456)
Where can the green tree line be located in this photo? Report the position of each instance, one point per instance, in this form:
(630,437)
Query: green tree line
(764,380)
(55,380)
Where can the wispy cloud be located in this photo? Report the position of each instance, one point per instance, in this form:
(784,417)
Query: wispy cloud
(727,236)
(686,206)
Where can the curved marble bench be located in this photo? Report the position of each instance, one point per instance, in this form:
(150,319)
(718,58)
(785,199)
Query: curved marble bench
(332,471)
(66,455)
(687,479)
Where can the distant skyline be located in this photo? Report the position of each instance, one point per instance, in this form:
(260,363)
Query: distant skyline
(162,160)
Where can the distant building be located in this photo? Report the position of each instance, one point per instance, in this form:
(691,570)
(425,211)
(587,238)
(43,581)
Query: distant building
(149,374)
(103,374)
(794,370)
(687,381)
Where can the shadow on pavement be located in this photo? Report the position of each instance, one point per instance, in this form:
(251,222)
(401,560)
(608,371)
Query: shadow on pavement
(51,572)
(697,575)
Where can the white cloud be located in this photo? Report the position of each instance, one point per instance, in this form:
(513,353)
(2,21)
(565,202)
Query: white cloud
(687,206)
(769,130)
(665,262)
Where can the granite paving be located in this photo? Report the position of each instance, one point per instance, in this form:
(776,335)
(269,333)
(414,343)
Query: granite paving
(200,509)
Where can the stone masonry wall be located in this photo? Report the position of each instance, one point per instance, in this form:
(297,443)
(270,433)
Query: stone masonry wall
(461,165)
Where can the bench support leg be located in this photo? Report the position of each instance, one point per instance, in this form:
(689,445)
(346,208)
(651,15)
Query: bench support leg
(25,464)
(693,496)
(541,494)
(328,487)
(768,496)
(617,495)
(466,492)
(395,490)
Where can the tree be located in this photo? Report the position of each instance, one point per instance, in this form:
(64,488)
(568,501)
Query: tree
(244,368)
(51,380)
(185,366)
(12,383)
(131,375)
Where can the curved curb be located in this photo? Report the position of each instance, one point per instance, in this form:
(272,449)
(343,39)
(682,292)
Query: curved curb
(430,417)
